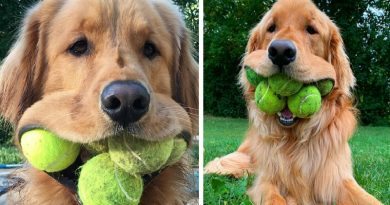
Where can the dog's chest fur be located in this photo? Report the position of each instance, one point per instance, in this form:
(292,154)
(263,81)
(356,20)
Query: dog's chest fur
(301,169)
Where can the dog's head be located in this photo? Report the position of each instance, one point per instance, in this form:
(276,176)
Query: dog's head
(297,39)
(87,70)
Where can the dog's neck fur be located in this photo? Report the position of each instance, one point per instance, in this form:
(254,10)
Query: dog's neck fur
(298,158)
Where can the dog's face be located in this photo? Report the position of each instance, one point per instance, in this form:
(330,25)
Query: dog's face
(296,38)
(87,70)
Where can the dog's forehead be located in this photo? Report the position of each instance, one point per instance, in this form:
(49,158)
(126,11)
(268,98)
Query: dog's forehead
(101,15)
(294,4)
(292,8)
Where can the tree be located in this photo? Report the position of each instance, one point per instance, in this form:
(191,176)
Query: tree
(226,29)
(190,10)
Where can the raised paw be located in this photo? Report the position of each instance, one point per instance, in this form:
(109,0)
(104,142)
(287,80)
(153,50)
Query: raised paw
(236,164)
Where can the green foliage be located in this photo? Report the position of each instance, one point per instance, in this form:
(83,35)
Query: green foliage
(365,28)
(190,10)
(11,13)
(5,132)
(364,25)
(370,152)
(9,155)
(226,30)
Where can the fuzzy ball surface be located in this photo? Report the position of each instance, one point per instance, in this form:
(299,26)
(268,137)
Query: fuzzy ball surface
(306,102)
(139,156)
(325,86)
(97,147)
(267,100)
(253,78)
(179,147)
(45,151)
(283,85)
(102,182)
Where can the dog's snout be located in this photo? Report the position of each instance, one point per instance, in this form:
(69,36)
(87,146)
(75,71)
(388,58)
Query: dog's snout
(125,101)
(282,52)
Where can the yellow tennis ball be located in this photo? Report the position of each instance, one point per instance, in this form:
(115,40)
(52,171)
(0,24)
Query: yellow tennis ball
(139,156)
(306,102)
(45,151)
(324,86)
(179,147)
(267,100)
(284,85)
(102,182)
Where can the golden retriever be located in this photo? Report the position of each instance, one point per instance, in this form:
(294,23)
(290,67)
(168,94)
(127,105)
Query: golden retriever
(298,161)
(87,70)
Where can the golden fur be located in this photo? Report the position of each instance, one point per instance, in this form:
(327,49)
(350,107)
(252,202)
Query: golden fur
(310,163)
(42,84)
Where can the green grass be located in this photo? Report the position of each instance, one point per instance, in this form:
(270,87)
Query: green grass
(370,147)
(9,155)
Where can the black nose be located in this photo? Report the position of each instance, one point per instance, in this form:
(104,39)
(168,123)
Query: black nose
(282,52)
(125,101)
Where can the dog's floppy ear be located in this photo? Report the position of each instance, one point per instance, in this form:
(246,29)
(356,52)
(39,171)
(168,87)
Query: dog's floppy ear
(254,39)
(184,74)
(256,35)
(339,59)
(185,81)
(19,74)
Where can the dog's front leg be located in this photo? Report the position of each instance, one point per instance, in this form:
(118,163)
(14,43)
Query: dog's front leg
(352,194)
(38,188)
(235,164)
(266,193)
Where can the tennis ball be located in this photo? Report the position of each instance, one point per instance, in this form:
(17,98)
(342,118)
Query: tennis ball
(45,151)
(306,102)
(325,86)
(102,182)
(253,78)
(267,100)
(179,147)
(139,156)
(284,85)
(97,147)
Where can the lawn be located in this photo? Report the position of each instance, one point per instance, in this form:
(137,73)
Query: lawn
(370,148)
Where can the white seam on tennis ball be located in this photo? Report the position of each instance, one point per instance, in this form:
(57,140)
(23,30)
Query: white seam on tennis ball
(303,101)
(285,84)
(120,184)
(264,93)
(135,154)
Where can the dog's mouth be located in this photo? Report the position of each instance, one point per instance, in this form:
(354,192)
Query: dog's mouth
(69,176)
(286,118)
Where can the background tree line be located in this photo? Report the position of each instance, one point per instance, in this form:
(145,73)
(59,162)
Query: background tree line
(365,29)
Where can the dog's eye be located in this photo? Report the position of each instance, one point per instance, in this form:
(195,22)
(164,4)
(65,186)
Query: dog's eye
(150,50)
(79,48)
(311,30)
(271,28)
